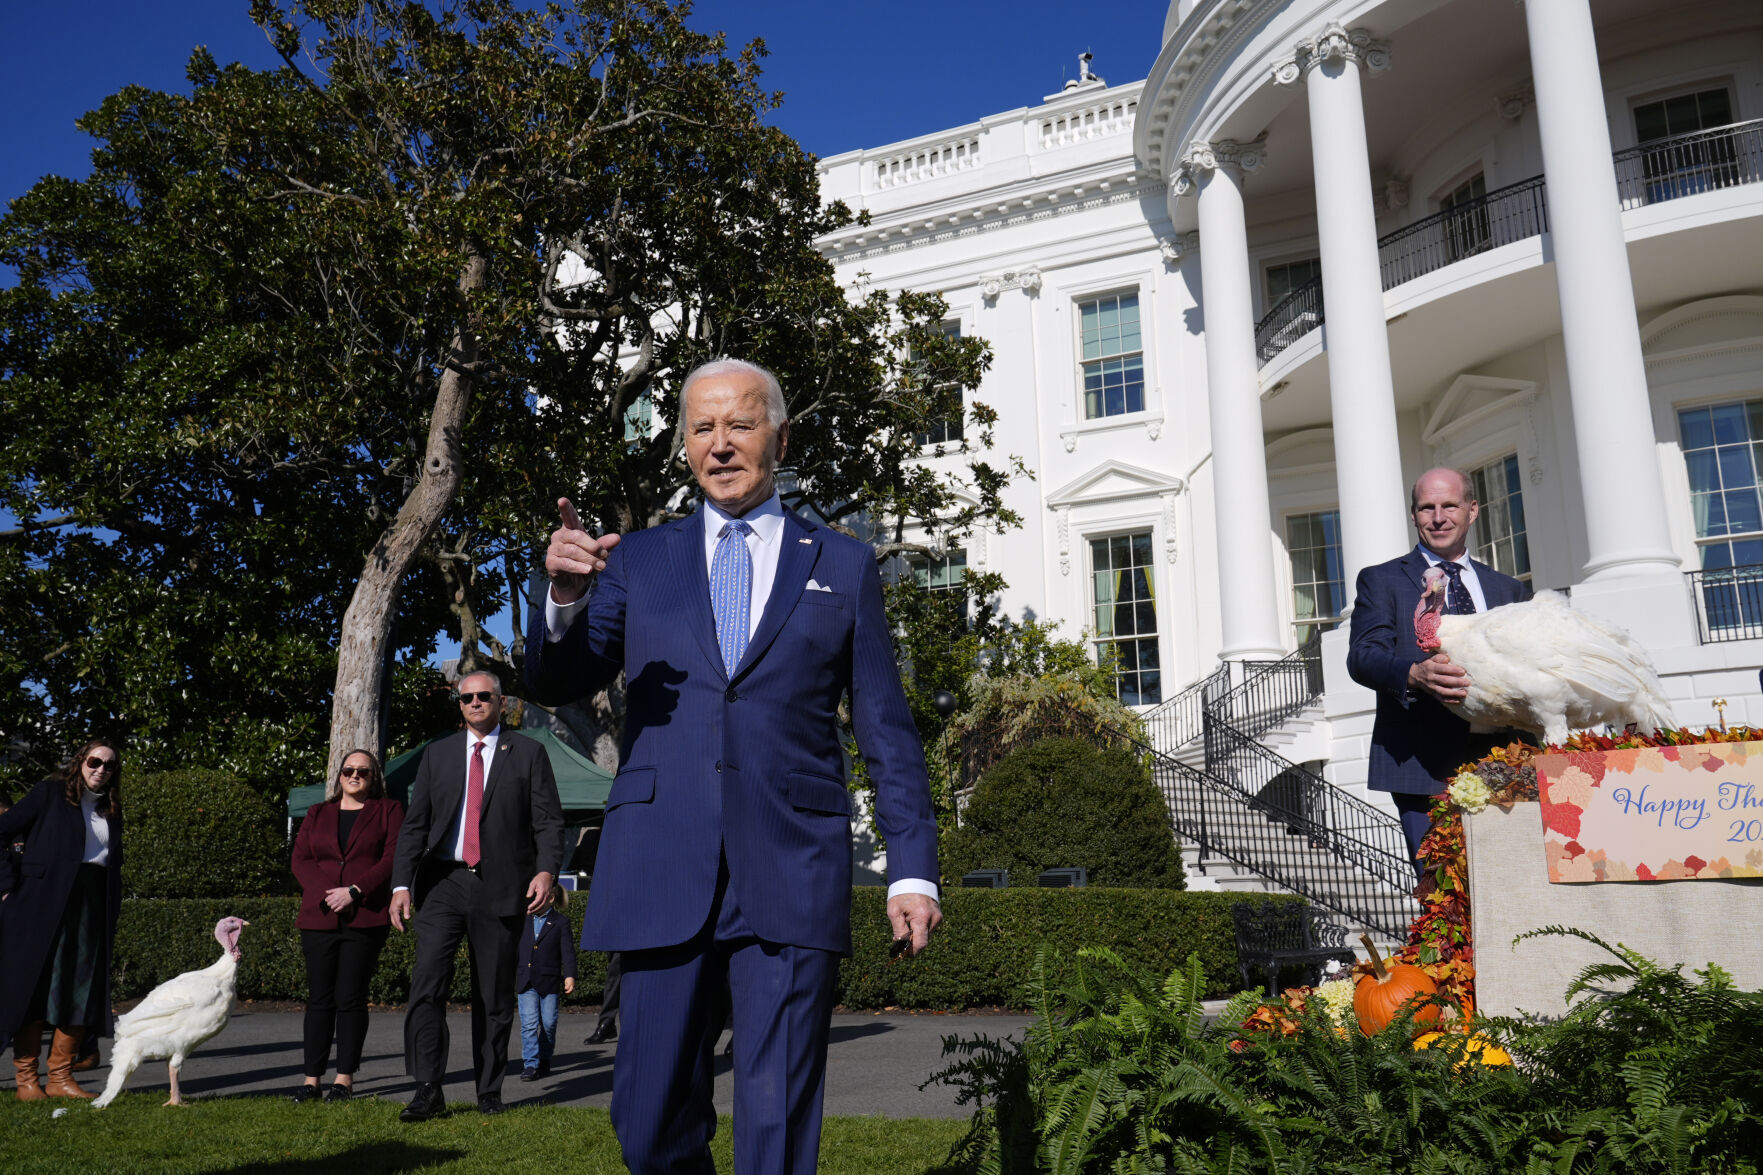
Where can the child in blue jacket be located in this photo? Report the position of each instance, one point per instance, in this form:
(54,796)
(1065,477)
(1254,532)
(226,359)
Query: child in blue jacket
(547,960)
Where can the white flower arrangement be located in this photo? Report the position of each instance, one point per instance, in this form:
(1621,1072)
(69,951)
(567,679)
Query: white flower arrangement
(1470,792)
(1337,997)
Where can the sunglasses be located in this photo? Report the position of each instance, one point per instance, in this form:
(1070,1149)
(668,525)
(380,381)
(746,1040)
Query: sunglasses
(355,773)
(97,764)
(482,695)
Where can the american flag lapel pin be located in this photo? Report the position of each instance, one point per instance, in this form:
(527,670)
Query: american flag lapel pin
(808,541)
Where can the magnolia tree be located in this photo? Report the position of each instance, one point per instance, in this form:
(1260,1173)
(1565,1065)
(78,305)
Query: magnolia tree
(300,370)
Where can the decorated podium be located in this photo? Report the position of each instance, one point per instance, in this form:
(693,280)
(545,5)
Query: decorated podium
(1654,842)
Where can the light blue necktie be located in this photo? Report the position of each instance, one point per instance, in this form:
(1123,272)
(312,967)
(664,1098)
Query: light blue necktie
(731,591)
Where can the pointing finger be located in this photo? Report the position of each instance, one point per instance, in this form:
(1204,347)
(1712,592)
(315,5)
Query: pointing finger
(571,520)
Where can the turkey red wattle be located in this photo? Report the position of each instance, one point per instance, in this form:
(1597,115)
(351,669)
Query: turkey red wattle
(1430,611)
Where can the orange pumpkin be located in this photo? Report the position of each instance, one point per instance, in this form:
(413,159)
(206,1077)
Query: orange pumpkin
(1379,998)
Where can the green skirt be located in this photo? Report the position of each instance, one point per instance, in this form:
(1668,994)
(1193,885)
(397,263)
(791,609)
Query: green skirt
(72,989)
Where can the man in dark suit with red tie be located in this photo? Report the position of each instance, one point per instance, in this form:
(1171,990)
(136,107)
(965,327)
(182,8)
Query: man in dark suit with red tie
(480,848)
(1416,744)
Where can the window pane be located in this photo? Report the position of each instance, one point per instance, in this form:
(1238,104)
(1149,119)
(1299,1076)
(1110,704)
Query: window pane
(1697,426)
(1500,539)
(1704,471)
(1730,423)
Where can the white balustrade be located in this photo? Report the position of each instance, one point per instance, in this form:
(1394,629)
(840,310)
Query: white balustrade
(1096,121)
(922,163)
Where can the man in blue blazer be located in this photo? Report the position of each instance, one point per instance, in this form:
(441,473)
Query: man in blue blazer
(726,849)
(1416,744)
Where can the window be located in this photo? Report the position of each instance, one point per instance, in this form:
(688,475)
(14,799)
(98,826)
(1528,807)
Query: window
(1113,356)
(1721,446)
(1126,614)
(1682,162)
(942,432)
(1283,279)
(1313,541)
(941,575)
(1466,218)
(1500,538)
(637,420)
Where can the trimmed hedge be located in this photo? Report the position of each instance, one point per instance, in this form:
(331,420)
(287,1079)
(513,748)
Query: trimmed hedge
(198,832)
(1061,802)
(983,955)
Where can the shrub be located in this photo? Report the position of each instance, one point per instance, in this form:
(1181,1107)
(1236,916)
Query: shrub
(1061,802)
(201,834)
(983,955)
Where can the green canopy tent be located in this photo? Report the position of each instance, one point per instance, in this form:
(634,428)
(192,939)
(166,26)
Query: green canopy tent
(581,784)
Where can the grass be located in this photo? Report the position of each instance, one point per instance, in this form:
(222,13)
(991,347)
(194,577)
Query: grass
(271,1136)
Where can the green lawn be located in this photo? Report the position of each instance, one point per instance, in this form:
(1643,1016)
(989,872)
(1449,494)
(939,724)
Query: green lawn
(270,1136)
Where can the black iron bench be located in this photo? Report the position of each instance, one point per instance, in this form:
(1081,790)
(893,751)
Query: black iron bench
(1271,935)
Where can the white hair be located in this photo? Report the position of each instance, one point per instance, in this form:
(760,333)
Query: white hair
(494,680)
(775,410)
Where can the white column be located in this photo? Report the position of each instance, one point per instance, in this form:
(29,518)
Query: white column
(1247,594)
(1625,517)
(1368,465)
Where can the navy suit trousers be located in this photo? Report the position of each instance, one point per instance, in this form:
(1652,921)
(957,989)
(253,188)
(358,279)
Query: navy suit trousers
(673,1007)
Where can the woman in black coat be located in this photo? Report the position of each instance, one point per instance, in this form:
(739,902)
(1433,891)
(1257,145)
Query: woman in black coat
(58,925)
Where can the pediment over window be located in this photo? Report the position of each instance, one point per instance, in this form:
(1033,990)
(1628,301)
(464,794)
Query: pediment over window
(1309,450)
(1113,481)
(1473,399)
(1710,325)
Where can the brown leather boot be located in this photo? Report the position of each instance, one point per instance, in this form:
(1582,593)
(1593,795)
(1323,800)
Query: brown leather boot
(27,1043)
(62,1050)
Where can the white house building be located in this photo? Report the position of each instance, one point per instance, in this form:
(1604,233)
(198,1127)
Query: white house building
(1236,307)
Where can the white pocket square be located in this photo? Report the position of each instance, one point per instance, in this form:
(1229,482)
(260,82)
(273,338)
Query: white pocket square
(814,587)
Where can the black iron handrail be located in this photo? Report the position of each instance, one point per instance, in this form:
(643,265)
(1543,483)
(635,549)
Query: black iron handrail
(1181,720)
(1289,319)
(1312,837)
(1513,213)
(1273,691)
(1664,169)
(1729,603)
(1689,164)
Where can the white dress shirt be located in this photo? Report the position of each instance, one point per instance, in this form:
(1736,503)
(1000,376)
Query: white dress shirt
(765,544)
(1470,579)
(97,851)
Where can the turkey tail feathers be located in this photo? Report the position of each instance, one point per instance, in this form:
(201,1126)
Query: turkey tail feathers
(124,1060)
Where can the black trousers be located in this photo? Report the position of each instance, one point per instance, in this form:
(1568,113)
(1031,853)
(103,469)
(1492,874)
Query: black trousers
(339,964)
(456,908)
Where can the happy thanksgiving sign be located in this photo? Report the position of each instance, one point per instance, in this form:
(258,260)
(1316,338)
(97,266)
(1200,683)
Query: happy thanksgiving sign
(1688,813)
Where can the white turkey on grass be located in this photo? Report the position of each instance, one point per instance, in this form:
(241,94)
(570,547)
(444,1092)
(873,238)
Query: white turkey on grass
(1541,666)
(177,1017)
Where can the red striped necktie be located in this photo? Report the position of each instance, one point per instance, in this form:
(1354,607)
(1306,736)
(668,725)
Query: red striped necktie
(474,802)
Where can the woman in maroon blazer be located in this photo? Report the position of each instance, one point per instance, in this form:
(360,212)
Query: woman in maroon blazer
(343,861)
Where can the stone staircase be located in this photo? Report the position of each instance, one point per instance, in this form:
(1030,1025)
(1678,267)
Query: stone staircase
(1238,765)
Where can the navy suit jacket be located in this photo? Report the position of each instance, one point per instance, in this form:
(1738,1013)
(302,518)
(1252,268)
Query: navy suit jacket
(750,766)
(1415,743)
(546,961)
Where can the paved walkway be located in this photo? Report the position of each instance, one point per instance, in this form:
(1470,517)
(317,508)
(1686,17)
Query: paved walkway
(875,1062)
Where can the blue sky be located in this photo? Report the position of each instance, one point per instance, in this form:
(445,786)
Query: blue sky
(852,75)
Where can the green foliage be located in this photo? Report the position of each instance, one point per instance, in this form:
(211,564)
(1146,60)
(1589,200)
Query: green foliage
(1061,802)
(201,833)
(227,346)
(1651,1073)
(157,939)
(227,1134)
(984,953)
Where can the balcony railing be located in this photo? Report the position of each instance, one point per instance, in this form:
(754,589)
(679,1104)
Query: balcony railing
(1666,169)
(1729,603)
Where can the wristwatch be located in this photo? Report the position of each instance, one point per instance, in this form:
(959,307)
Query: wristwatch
(355,893)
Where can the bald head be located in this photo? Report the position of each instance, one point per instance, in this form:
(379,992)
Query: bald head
(1443,506)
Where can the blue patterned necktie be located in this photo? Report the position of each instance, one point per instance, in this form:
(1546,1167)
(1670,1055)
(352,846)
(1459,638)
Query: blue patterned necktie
(1458,601)
(731,591)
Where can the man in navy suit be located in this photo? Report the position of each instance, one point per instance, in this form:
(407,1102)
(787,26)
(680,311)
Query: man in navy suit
(726,849)
(1416,744)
